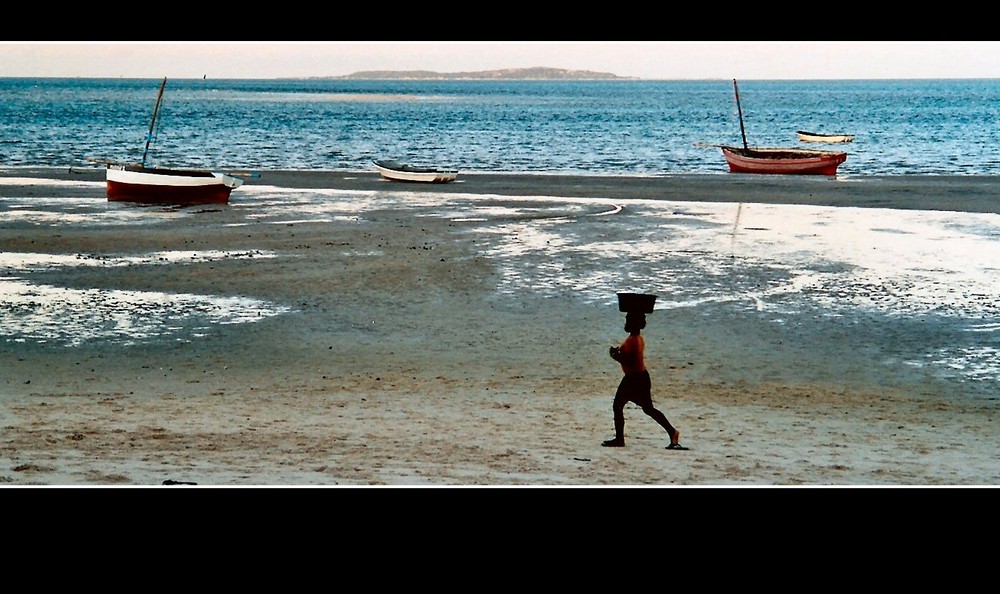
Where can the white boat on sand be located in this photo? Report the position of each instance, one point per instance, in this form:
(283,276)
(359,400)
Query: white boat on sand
(395,171)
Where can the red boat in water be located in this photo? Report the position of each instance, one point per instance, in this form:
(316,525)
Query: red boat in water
(782,160)
(789,161)
(136,182)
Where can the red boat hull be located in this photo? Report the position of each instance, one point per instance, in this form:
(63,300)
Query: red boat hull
(168,186)
(783,161)
(167,194)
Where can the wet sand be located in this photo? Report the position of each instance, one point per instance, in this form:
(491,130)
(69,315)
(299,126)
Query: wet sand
(924,192)
(402,366)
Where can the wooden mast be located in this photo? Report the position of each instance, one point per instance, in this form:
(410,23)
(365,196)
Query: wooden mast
(156,111)
(738,109)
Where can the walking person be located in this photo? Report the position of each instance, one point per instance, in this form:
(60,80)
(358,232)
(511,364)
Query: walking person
(635,385)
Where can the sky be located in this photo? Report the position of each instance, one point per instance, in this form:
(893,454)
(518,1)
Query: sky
(652,60)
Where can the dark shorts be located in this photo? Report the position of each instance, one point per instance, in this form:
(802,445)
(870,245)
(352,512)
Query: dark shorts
(635,387)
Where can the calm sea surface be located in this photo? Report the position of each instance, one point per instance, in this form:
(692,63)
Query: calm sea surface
(588,127)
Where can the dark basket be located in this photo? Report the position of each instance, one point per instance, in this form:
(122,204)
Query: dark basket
(636,302)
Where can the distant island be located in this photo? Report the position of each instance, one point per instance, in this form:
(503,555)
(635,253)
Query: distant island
(504,74)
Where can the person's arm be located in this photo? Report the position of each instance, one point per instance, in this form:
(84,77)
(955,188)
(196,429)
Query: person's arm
(623,354)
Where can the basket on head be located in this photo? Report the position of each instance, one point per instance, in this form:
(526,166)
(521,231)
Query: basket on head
(636,302)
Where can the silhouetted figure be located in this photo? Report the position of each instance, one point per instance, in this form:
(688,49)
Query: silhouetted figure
(635,386)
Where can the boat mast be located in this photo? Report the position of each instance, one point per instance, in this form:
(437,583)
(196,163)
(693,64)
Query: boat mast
(152,122)
(738,109)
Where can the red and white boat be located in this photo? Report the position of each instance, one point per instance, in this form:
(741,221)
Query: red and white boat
(782,160)
(788,161)
(157,185)
(137,182)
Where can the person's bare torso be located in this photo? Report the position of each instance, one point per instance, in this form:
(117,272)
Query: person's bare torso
(631,354)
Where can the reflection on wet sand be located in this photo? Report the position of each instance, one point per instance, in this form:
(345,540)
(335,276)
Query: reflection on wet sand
(917,283)
(45,313)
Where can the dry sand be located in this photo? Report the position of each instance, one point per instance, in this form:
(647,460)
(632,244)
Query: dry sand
(408,369)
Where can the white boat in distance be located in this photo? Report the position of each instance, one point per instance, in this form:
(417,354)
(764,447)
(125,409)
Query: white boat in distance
(819,137)
(395,171)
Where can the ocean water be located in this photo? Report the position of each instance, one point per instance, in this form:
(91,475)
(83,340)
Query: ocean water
(906,292)
(901,127)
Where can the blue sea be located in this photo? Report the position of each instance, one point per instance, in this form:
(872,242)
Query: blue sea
(920,289)
(900,127)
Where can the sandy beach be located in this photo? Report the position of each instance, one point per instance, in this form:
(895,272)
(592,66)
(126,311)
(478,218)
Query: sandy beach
(395,361)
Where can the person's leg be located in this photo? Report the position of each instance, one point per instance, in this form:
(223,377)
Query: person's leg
(645,401)
(618,407)
(660,418)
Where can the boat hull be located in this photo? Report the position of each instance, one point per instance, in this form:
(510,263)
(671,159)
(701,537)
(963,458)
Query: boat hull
(816,137)
(406,173)
(149,185)
(782,161)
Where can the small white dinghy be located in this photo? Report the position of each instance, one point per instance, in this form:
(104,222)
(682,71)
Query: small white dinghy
(819,137)
(395,171)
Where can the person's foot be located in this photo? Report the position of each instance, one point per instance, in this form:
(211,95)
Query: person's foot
(614,443)
(675,439)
